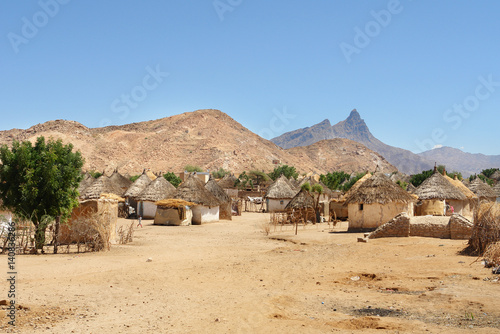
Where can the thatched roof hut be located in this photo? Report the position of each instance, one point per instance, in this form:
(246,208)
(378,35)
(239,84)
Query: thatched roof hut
(157,190)
(301,201)
(281,188)
(496,189)
(438,187)
(462,187)
(173,203)
(193,190)
(225,207)
(228,181)
(379,189)
(376,201)
(356,185)
(103,184)
(217,191)
(411,188)
(85,183)
(138,186)
(120,181)
(496,175)
(482,190)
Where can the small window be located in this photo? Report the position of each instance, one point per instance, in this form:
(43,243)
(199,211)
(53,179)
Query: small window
(361,207)
(281,202)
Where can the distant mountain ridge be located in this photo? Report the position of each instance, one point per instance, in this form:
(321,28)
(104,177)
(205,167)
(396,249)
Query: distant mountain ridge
(207,138)
(355,128)
(457,160)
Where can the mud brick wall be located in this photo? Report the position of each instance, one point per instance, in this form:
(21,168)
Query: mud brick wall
(399,226)
(460,227)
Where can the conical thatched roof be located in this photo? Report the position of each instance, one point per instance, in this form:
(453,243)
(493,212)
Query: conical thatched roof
(280,189)
(411,188)
(379,189)
(301,201)
(438,187)
(289,182)
(356,185)
(496,189)
(193,190)
(217,191)
(120,181)
(173,203)
(103,184)
(138,186)
(481,189)
(157,190)
(496,175)
(462,187)
(227,182)
(85,183)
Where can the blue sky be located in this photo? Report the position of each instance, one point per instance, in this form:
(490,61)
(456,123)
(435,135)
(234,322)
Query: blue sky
(420,73)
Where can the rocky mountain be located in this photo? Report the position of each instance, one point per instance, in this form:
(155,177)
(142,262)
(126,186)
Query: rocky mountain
(206,138)
(342,154)
(355,128)
(457,160)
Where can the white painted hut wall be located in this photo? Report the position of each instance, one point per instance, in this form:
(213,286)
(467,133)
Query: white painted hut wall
(274,205)
(203,214)
(148,209)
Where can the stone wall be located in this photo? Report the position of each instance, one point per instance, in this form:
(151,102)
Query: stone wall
(455,227)
(460,227)
(398,226)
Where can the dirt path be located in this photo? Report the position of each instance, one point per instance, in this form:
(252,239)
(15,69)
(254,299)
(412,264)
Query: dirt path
(228,277)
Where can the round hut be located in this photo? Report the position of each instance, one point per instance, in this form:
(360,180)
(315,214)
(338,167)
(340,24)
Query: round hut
(136,188)
(193,190)
(301,207)
(376,201)
(483,191)
(228,184)
(173,212)
(225,201)
(466,207)
(435,193)
(157,190)
(279,194)
(120,182)
(85,183)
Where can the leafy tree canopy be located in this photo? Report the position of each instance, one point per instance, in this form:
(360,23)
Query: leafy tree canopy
(173,179)
(40,180)
(135,177)
(95,174)
(334,180)
(488,172)
(288,171)
(352,181)
(219,174)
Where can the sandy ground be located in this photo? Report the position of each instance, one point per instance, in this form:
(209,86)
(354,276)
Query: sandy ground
(229,277)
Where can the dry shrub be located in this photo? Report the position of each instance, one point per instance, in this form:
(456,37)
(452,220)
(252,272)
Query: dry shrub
(126,235)
(92,230)
(492,254)
(486,229)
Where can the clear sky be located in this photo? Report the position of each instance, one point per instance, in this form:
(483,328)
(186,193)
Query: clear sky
(420,73)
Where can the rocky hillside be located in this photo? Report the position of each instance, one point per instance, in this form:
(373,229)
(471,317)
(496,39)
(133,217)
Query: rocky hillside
(355,128)
(342,154)
(207,138)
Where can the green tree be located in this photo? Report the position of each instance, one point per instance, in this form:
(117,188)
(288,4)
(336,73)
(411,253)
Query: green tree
(352,181)
(402,184)
(286,170)
(40,181)
(417,179)
(95,174)
(173,179)
(191,169)
(258,177)
(219,174)
(334,180)
(488,172)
